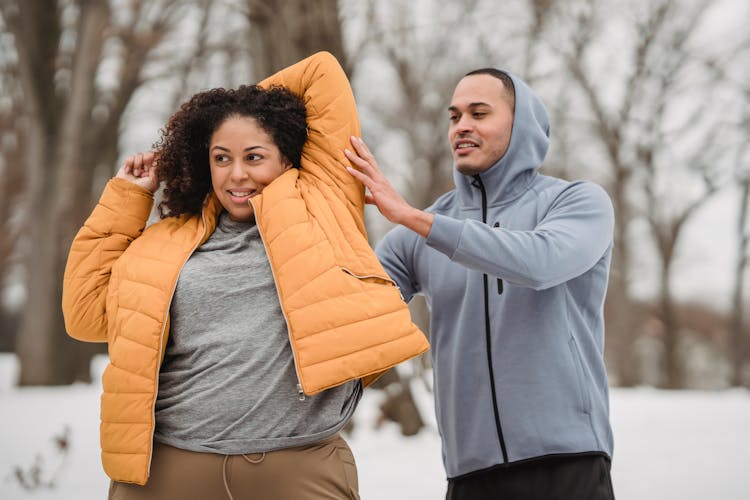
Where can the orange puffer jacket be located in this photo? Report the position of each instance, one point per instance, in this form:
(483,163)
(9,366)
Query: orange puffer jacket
(346,318)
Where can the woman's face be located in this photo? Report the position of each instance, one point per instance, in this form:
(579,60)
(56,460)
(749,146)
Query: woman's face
(244,160)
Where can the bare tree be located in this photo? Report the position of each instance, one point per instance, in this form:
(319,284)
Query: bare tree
(71,146)
(721,66)
(740,348)
(542,12)
(646,150)
(608,128)
(666,216)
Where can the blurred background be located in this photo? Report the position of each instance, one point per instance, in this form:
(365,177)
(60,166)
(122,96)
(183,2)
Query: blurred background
(649,98)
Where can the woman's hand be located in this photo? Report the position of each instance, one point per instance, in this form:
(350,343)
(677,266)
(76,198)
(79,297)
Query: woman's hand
(140,169)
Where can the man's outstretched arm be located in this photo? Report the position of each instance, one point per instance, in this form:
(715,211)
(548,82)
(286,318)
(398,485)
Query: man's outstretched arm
(572,236)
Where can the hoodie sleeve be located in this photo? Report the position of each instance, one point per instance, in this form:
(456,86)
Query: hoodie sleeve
(331,120)
(118,218)
(396,253)
(569,240)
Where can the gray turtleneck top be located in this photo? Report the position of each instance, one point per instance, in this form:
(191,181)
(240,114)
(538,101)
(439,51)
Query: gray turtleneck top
(228,383)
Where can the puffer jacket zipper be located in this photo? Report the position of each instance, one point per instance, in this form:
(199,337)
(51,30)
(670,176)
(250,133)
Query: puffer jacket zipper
(488,334)
(161,339)
(300,390)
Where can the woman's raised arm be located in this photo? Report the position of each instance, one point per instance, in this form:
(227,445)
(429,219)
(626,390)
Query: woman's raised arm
(331,119)
(118,218)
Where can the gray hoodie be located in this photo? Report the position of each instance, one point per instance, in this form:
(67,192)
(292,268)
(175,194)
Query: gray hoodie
(515,273)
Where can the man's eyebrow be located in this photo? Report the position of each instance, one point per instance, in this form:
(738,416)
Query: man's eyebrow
(471,106)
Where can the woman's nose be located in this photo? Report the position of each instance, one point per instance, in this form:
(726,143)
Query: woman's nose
(238,171)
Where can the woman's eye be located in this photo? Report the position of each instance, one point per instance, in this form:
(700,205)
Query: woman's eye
(253,157)
(220,158)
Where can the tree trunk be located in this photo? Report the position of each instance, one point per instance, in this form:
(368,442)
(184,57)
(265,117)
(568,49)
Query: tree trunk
(45,351)
(621,333)
(736,329)
(620,311)
(283,32)
(673,369)
(58,182)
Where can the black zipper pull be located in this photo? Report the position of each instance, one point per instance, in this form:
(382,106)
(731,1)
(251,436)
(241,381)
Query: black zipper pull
(499,281)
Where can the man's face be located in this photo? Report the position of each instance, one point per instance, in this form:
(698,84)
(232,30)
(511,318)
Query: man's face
(481,120)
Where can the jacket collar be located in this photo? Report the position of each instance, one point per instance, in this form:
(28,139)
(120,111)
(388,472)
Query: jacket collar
(212,206)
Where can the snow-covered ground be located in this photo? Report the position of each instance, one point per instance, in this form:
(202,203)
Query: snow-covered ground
(683,445)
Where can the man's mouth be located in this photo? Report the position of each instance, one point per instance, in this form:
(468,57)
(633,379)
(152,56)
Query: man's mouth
(464,146)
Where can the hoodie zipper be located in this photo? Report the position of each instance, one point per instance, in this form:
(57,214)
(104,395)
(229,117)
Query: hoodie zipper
(488,337)
(499,280)
(300,391)
(161,339)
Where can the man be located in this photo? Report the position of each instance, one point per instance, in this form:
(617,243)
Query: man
(514,267)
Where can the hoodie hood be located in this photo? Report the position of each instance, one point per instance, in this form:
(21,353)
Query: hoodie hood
(529,141)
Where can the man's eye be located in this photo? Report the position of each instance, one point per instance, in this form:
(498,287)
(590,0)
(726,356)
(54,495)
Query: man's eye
(453,118)
(479,114)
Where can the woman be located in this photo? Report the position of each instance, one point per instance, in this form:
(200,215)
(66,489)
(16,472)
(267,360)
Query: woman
(242,325)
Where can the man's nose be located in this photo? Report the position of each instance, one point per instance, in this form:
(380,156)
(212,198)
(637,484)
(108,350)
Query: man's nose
(464,125)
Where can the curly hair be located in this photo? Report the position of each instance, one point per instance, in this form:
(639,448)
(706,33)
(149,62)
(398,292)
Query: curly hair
(182,150)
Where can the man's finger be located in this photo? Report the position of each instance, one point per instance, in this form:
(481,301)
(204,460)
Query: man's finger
(358,175)
(362,150)
(361,177)
(363,146)
(357,160)
(358,145)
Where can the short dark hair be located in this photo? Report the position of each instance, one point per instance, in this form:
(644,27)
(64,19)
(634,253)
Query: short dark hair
(182,151)
(500,75)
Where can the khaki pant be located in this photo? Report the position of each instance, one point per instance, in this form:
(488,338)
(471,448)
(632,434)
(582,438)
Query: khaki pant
(324,470)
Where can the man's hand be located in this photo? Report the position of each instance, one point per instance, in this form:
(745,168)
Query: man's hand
(382,194)
(140,169)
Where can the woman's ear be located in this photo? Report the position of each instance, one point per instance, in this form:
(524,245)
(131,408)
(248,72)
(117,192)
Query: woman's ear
(287,164)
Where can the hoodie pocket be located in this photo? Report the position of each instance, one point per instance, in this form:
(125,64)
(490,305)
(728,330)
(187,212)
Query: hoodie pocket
(583,394)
